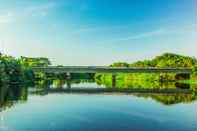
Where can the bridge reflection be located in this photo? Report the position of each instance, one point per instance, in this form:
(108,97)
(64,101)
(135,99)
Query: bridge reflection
(165,97)
(11,95)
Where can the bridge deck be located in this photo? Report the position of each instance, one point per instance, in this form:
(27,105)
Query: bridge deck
(103,69)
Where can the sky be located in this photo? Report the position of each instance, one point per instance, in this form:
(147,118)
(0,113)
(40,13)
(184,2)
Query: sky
(97,32)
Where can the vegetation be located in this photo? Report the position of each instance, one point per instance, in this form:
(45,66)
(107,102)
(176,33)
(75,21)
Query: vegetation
(170,99)
(34,62)
(19,70)
(194,70)
(14,70)
(165,60)
(11,70)
(10,94)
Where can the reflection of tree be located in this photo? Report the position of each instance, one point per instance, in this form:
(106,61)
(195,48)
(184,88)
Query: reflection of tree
(11,94)
(170,99)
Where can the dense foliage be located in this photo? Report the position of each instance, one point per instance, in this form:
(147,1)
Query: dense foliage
(165,60)
(14,70)
(10,94)
(194,69)
(35,62)
(11,70)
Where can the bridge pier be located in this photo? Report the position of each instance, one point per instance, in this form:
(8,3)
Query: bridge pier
(113,80)
(68,80)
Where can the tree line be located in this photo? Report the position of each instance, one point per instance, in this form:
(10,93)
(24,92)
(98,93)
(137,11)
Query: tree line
(13,70)
(162,61)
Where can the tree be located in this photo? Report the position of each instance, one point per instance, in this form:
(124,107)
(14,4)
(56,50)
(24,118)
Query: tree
(194,70)
(35,62)
(120,64)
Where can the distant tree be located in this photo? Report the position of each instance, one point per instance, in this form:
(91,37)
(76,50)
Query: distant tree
(174,60)
(167,60)
(120,64)
(35,62)
(60,66)
(145,63)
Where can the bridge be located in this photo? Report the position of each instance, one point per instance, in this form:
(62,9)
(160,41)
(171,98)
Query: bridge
(113,70)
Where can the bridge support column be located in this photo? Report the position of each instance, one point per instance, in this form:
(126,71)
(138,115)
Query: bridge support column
(68,80)
(113,80)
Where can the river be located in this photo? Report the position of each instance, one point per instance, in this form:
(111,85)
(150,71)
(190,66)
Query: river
(33,109)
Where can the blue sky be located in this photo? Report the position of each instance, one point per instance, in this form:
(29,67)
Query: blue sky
(97,32)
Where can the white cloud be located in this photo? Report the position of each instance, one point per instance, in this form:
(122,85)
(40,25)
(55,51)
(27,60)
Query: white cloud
(144,35)
(29,11)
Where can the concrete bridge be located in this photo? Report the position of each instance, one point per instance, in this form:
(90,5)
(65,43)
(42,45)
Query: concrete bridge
(113,70)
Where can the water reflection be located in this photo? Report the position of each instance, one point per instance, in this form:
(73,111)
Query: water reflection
(170,99)
(10,95)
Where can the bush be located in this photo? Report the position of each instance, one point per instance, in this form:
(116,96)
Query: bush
(194,70)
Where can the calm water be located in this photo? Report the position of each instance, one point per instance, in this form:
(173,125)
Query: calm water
(25,111)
